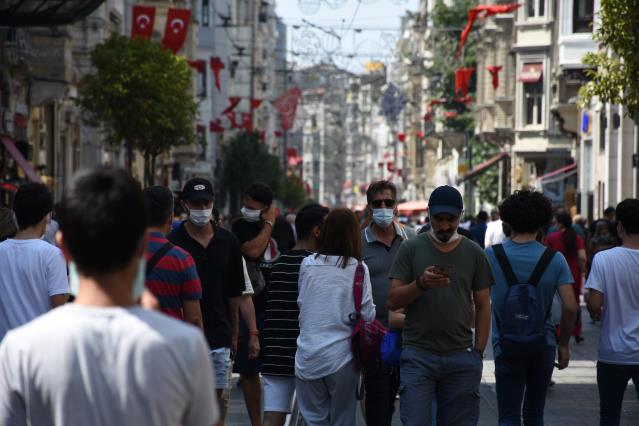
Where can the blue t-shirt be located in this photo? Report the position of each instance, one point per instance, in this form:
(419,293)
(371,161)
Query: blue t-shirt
(523,258)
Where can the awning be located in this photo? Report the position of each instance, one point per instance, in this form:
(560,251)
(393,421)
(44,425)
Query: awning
(531,72)
(559,174)
(413,207)
(17,155)
(482,167)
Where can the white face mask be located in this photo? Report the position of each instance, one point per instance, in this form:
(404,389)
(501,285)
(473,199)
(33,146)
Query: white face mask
(138,283)
(251,215)
(451,240)
(200,218)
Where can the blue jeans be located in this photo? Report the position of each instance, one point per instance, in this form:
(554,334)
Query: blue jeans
(612,380)
(452,379)
(523,381)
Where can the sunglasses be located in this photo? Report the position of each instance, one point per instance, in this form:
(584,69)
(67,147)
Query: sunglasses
(388,202)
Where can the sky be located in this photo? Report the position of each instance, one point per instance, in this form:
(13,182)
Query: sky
(353,32)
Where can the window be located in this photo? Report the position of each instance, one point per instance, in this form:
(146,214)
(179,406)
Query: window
(533,102)
(201,84)
(206,13)
(582,16)
(536,8)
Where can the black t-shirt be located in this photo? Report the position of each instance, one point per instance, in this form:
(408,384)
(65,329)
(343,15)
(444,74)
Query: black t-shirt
(222,275)
(282,239)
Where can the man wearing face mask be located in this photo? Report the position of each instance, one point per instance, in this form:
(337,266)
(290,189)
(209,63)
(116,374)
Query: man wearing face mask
(380,243)
(218,261)
(435,277)
(33,276)
(263,237)
(103,359)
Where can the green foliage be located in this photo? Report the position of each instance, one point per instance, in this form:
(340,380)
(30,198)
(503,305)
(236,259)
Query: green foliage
(140,93)
(293,193)
(616,67)
(246,160)
(487,184)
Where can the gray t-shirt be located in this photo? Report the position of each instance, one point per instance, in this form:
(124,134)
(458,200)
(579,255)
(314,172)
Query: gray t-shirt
(79,365)
(379,259)
(439,320)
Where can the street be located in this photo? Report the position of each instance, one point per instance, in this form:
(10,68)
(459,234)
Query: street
(574,400)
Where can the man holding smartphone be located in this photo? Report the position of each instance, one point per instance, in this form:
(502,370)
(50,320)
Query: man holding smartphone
(437,277)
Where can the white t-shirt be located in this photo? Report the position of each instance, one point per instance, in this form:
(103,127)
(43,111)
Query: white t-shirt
(79,365)
(615,273)
(494,233)
(325,301)
(30,272)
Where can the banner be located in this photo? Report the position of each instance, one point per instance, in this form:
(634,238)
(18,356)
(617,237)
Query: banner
(143,20)
(233,101)
(286,105)
(217,66)
(216,126)
(494,73)
(197,64)
(177,26)
(487,10)
(247,122)
(462,80)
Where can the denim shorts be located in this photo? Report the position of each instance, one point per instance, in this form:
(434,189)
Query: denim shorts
(221,360)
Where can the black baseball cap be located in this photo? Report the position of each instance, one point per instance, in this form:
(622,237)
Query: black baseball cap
(197,189)
(445,199)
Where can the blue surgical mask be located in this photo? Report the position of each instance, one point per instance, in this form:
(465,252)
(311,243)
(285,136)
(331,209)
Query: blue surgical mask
(138,283)
(383,217)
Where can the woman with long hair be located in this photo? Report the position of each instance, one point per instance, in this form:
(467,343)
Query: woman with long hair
(573,247)
(325,375)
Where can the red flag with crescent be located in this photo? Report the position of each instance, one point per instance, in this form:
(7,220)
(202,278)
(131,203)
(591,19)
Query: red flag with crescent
(215,126)
(143,20)
(286,105)
(233,102)
(247,122)
(177,26)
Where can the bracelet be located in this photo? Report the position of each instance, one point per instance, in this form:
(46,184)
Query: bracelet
(418,283)
(270,223)
(254,333)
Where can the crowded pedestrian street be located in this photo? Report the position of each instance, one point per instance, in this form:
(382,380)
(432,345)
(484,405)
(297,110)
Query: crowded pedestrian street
(572,401)
(319,212)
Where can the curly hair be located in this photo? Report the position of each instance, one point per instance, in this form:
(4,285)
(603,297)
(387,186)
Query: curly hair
(526,211)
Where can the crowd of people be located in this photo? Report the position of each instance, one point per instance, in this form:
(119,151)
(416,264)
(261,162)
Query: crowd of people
(168,299)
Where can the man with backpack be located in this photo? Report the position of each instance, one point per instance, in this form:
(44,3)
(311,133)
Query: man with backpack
(527,276)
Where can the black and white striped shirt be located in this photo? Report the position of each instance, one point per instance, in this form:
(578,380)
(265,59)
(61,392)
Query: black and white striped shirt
(281,326)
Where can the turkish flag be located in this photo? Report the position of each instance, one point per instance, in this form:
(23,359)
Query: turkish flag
(277,134)
(198,65)
(462,80)
(216,126)
(217,66)
(177,26)
(286,105)
(487,10)
(494,73)
(143,20)
(255,103)
(401,137)
(419,135)
(231,116)
(247,122)
(234,101)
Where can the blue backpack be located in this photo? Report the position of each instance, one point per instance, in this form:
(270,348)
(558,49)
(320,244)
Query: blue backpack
(522,326)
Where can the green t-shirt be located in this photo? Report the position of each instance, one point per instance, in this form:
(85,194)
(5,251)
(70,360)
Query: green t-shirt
(439,320)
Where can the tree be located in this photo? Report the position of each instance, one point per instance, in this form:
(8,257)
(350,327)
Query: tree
(140,94)
(616,66)
(246,160)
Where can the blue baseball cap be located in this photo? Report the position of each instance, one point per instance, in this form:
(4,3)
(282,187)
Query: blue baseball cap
(445,199)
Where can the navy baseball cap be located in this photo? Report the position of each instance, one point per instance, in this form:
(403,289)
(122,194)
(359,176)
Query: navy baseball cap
(197,189)
(445,199)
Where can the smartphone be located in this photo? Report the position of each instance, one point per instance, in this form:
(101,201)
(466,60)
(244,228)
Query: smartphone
(442,270)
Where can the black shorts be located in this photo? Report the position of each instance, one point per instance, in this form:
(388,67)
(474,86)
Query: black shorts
(242,364)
